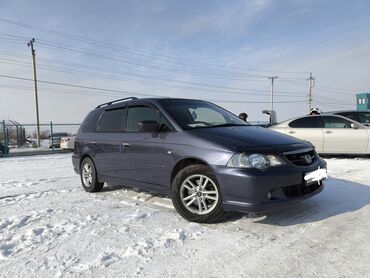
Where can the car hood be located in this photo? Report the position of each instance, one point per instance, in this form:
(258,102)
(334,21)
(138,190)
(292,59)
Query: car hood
(245,138)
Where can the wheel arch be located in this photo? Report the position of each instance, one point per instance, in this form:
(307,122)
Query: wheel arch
(186,162)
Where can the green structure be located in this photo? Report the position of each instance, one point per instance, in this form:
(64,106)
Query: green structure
(363,101)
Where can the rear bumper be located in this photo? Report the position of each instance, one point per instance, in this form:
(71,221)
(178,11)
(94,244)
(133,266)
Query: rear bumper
(252,190)
(76,163)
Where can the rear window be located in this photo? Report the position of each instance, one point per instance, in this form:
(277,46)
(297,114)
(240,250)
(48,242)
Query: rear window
(112,120)
(60,134)
(90,122)
(306,122)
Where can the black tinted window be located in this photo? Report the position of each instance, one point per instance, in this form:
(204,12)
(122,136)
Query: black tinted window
(348,115)
(138,114)
(336,122)
(112,120)
(364,118)
(306,122)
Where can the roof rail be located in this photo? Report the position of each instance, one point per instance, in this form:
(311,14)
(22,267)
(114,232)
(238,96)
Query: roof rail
(114,101)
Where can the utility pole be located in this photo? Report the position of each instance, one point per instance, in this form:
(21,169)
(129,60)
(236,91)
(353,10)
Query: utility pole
(30,44)
(311,83)
(272,78)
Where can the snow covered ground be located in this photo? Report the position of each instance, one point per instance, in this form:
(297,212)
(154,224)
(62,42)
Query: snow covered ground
(50,227)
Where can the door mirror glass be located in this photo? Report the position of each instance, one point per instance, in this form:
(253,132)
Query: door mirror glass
(148,126)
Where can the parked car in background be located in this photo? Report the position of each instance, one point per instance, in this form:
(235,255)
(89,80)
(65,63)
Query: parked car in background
(206,158)
(3,150)
(55,140)
(68,143)
(330,134)
(362,117)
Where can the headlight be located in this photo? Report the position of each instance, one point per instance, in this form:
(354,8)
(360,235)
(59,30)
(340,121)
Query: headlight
(259,161)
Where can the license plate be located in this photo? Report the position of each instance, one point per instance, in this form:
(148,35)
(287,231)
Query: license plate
(316,176)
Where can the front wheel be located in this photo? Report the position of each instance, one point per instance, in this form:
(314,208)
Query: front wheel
(196,195)
(89,178)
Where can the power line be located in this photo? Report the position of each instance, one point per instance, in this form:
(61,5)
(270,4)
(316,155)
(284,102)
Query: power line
(130,92)
(203,86)
(133,51)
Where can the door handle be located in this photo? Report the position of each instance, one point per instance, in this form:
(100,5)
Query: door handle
(291,132)
(125,145)
(93,143)
(328,131)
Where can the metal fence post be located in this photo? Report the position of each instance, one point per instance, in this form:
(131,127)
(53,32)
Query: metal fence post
(5,138)
(17,134)
(52,137)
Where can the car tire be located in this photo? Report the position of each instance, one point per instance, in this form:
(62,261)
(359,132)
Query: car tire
(196,195)
(1,153)
(89,178)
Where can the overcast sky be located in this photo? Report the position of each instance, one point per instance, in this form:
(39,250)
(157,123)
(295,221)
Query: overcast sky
(214,50)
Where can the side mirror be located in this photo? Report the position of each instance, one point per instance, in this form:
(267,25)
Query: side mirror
(354,126)
(148,126)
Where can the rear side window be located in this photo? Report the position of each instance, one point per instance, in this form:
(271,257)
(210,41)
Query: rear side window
(138,114)
(112,120)
(306,122)
(336,122)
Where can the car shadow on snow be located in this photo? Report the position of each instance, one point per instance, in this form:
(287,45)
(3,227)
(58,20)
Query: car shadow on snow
(338,197)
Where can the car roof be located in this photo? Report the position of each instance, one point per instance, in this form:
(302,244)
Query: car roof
(287,122)
(138,101)
(344,111)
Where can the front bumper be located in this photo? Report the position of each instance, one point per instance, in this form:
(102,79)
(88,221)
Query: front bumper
(253,190)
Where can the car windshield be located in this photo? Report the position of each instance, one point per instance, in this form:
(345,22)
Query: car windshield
(364,118)
(191,114)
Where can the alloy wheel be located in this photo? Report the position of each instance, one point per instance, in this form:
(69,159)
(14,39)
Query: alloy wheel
(87,175)
(199,194)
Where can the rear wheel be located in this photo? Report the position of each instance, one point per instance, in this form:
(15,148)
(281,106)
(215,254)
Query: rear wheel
(89,177)
(196,195)
(1,153)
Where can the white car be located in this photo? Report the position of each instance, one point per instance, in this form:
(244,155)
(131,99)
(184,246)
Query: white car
(67,142)
(330,134)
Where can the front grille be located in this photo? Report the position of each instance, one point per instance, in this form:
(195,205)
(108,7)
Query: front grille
(299,190)
(305,158)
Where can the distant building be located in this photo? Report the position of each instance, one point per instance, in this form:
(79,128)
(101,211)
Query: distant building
(363,101)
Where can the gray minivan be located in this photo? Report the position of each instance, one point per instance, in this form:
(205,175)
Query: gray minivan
(205,158)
